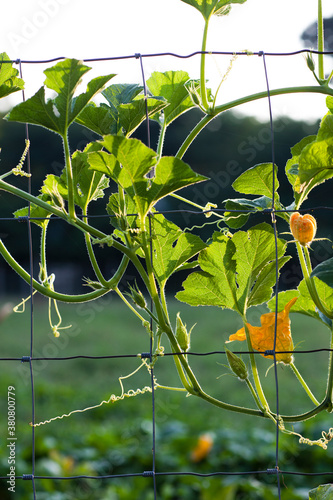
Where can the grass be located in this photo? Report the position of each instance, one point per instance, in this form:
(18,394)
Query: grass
(116,438)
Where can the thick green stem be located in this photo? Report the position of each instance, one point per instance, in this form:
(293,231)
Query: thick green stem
(237,102)
(305,416)
(164,302)
(78,223)
(255,372)
(229,407)
(69,173)
(321,72)
(169,388)
(91,252)
(193,134)
(46,290)
(329,387)
(311,286)
(161,139)
(32,199)
(254,394)
(93,261)
(304,384)
(203,89)
(43,266)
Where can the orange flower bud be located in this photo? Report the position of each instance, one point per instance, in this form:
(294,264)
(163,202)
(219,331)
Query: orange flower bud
(303,228)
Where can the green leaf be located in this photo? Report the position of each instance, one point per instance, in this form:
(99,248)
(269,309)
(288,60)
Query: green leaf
(315,163)
(55,189)
(171,86)
(36,111)
(98,119)
(215,284)
(292,169)
(324,272)
(38,215)
(255,250)
(325,293)
(9,81)
(262,289)
(239,218)
(104,119)
(172,248)
(136,158)
(121,218)
(329,103)
(232,267)
(121,94)
(136,161)
(257,180)
(322,492)
(131,115)
(171,174)
(210,7)
(89,185)
(57,114)
(124,113)
(304,304)
(242,205)
(117,95)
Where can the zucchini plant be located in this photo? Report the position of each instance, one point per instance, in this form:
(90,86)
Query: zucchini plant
(234,269)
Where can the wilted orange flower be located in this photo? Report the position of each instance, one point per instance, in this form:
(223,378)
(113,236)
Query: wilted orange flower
(303,228)
(203,447)
(262,337)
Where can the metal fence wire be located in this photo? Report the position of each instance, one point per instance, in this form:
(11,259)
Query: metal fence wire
(152,475)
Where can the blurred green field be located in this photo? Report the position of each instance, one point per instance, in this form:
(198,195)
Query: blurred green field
(117,438)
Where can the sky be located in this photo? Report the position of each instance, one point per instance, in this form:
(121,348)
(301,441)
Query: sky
(43,29)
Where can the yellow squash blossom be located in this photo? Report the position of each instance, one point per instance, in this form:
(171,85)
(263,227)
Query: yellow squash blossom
(262,337)
(202,448)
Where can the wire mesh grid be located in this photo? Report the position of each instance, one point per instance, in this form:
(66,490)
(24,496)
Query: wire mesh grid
(152,474)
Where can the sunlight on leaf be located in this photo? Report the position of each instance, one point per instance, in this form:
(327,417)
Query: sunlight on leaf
(231,267)
(9,81)
(210,7)
(58,113)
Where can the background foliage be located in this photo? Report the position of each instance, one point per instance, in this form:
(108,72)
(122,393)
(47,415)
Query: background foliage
(117,439)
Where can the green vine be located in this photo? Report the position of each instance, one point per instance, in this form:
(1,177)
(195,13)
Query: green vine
(234,269)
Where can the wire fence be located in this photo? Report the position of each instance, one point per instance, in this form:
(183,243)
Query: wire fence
(152,474)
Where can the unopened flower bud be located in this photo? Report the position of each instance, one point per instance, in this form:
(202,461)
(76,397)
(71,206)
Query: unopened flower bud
(182,336)
(237,365)
(137,297)
(310,62)
(303,228)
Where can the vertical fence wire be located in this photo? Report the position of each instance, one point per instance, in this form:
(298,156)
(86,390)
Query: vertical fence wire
(150,174)
(276,275)
(31,267)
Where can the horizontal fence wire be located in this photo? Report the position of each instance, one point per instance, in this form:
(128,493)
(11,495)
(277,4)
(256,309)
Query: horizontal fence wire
(173,54)
(276,471)
(143,355)
(175,212)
